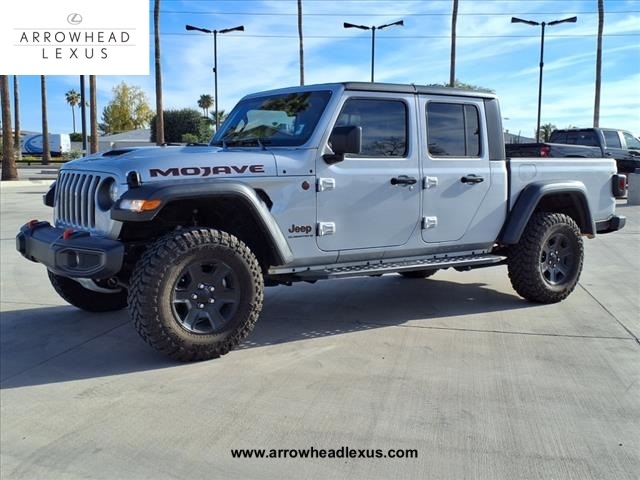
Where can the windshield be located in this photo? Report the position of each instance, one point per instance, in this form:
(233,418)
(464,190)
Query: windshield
(274,120)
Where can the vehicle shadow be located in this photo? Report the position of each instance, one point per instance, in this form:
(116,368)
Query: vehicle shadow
(59,344)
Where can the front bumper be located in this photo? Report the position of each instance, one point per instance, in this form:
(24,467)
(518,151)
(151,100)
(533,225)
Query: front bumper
(614,224)
(68,253)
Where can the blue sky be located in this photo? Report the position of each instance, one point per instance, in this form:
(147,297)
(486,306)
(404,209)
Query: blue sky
(491,52)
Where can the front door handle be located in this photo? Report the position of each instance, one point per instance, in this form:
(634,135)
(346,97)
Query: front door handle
(472,179)
(403,180)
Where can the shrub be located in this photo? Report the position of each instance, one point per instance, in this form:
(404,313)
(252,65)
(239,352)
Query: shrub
(178,123)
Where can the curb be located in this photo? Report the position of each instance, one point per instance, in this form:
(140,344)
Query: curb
(32,182)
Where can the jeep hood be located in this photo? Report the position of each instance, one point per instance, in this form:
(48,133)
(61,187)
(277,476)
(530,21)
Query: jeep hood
(158,163)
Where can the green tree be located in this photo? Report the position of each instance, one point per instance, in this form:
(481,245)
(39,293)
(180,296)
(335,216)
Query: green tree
(9,171)
(186,125)
(73,99)
(158,68)
(128,110)
(545,131)
(205,103)
(221,117)
(463,86)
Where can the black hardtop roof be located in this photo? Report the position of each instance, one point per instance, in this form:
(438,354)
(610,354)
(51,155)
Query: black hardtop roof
(413,88)
(379,87)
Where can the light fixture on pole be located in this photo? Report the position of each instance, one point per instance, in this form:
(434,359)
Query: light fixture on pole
(542,25)
(373,29)
(215,59)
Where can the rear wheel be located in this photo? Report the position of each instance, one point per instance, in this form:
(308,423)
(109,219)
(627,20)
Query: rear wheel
(196,294)
(87,299)
(418,273)
(545,265)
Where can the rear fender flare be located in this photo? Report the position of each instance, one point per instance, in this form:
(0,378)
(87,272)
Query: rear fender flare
(529,200)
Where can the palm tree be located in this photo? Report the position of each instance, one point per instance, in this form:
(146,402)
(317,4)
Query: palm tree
(73,99)
(454,21)
(158,67)
(596,105)
(301,46)
(545,131)
(9,171)
(205,103)
(16,115)
(93,114)
(46,152)
(221,117)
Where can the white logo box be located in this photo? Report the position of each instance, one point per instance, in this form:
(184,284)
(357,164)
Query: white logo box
(75,37)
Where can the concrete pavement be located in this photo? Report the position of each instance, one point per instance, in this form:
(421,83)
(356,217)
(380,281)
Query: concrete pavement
(480,382)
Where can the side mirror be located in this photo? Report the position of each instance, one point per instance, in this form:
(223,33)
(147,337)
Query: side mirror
(343,140)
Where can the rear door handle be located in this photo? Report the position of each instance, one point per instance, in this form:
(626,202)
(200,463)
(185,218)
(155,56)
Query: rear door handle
(472,179)
(403,180)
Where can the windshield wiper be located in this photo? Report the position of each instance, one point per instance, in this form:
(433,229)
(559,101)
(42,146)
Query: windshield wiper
(260,141)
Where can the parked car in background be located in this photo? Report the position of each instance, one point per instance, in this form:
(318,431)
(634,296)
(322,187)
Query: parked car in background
(618,144)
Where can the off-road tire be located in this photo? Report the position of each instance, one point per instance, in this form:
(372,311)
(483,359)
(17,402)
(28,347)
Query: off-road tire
(419,273)
(177,317)
(545,265)
(85,299)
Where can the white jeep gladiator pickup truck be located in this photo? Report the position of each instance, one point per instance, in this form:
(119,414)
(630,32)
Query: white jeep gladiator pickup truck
(308,183)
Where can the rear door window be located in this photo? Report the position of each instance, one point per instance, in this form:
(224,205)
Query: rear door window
(453,130)
(611,139)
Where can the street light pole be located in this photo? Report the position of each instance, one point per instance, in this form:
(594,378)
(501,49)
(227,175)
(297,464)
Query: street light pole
(373,29)
(542,25)
(215,59)
(373,50)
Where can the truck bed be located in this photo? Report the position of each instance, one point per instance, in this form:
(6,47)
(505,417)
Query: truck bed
(589,171)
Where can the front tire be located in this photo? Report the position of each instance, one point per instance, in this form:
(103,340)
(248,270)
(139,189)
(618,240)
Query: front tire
(85,299)
(545,265)
(196,293)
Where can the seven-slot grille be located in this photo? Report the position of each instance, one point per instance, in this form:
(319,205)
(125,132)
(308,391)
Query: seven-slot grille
(76,196)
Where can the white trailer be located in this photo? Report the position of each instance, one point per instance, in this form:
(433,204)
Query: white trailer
(59,144)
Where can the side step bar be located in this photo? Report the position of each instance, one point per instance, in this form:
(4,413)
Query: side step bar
(381,267)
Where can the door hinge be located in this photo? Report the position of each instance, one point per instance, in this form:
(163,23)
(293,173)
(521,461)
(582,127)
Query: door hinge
(326,184)
(429,222)
(326,228)
(429,182)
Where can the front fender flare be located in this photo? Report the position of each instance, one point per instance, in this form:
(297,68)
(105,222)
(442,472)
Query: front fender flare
(168,192)
(530,198)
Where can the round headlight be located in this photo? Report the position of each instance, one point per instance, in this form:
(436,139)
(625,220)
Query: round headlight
(107,193)
(113,192)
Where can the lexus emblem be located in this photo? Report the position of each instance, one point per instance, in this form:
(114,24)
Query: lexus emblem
(74,19)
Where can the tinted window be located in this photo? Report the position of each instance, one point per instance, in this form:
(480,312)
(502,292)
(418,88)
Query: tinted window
(558,137)
(383,122)
(582,138)
(611,139)
(632,142)
(453,130)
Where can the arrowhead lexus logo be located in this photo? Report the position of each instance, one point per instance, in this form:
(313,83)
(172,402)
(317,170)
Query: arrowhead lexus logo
(74,19)
(75,37)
